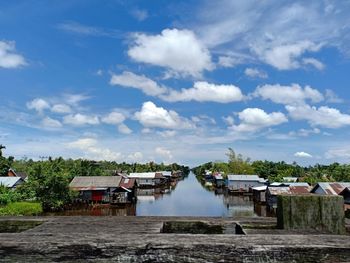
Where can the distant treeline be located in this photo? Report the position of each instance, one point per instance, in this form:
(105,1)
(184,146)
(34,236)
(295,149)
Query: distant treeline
(275,171)
(48,180)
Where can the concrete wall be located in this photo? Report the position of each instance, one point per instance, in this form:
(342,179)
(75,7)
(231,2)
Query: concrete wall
(318,212)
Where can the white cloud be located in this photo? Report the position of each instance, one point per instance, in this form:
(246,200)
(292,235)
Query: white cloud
(80,119)
(293,94)
(164,153)
(337,153)
(255,119)
(74,99)
(302,155)
(332,97)
(153,116)
(113,118)
(122,128)
(285,57)
(203,91)
(305,132)
(61,108)
(177,50)
(48,122)
(277,34)
(255,73)
(229,120)
(322,116)
(314,62)
(38,104)
(129,79)
(167,133)
(8,57)
(91,150)
(136,157)
(84,30)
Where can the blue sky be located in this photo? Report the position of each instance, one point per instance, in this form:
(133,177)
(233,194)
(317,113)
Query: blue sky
(176,81)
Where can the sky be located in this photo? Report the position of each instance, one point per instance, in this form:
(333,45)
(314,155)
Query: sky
(176,81)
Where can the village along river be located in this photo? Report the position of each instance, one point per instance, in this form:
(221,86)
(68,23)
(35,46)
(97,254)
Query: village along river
(186,197)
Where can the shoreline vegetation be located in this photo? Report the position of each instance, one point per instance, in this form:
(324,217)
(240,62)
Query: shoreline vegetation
(276,171)
(47,187)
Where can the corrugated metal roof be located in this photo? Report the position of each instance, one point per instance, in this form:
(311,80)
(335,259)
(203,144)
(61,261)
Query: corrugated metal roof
(260,188)
(166,173)
(94,182)
(9,181)
(127,182)
(332,188)
(243,177)
(289,190)
(277,184)
(150,175)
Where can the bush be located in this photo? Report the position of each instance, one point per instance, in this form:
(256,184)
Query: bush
(21,209)
(8,195)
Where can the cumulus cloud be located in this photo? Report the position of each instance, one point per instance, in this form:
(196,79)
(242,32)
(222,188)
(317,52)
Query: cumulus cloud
(203,91)
(8,56)
(61,108)
(131,80)
(277,34)
(122,128)
(255,73)
(332,97)
(48,122)
(285,57)
(164,153)
(314,62)
(113,118)
(322,116)
(91,150)
(302,155)
(153,116)
(38,104)
(177,50)
(293,94)
(305,132)
(136,157)
(80,119)
(255,119)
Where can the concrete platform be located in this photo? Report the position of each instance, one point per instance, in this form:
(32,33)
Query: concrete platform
(138,239)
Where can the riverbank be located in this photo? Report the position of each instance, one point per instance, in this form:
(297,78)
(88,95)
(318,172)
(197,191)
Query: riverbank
(140,239)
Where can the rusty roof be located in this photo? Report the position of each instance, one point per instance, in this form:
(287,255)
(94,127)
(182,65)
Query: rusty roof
(289,190)
(331,188)
(94,182)
(126,182)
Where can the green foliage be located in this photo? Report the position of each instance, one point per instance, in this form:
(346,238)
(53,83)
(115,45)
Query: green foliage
(275,171)
(8,195)
(21,209)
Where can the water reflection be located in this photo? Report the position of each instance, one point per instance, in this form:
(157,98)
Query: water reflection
(187,197)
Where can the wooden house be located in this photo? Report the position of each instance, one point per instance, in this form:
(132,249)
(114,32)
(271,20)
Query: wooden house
(167,175)
(104,189)
(12,173)
(219,180)
(151,179)
(243,183)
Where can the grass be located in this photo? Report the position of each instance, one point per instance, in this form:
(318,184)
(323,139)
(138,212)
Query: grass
(21,209)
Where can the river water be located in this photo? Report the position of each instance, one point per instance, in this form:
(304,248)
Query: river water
(186,197)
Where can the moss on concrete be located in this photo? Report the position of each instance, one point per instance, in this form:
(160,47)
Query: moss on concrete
(322,213)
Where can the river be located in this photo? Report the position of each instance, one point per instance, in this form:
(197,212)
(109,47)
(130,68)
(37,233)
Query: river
(186,197)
